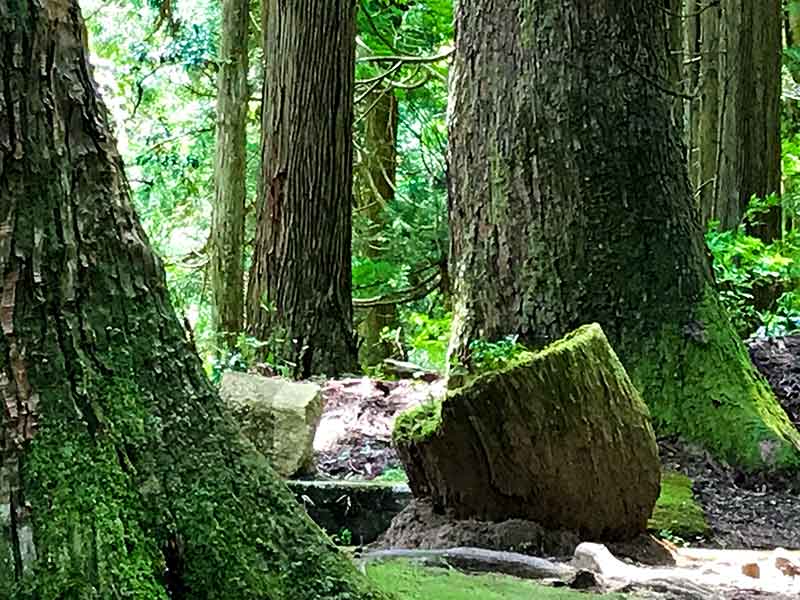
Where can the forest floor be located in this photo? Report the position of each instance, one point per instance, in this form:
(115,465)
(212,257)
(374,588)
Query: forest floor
(745,513)
(354,442)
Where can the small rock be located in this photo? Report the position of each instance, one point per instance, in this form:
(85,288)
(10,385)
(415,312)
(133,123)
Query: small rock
(787,566)
(279,416)
(751,570)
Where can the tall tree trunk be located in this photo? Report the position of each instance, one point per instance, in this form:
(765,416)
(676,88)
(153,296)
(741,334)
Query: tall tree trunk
(299,297)
(750,144)
(121,474)
(673,13)
(375,188)
(691,44)
(709,116)
(227,228)
(739,124)
(569,203)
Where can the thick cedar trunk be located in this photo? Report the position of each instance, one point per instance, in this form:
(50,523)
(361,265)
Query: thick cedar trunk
(227,229)
(375,176)
(569,203)
(738,130)
(299,295)
(121,476)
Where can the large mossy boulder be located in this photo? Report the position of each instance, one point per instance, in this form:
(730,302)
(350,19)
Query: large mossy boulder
(562,438)
(279,416)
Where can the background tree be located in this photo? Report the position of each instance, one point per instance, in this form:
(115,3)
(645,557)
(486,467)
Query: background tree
(122,475)
(569,203)
(299,296)
(375,185)
(230,184)
(737,139)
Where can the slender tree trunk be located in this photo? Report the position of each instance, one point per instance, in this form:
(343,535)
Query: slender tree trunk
(375,188)
(299,295)
(121,474)
(738,130)
(750,145)
(569,203)
(673,9)
(709,116)
(692,72)
(227,228)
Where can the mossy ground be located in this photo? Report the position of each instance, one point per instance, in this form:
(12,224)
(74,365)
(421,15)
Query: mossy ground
(677,513)
(410,582)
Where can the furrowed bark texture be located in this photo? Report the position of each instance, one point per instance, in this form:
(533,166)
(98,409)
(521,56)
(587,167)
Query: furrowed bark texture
(227,228)
(569,202)
(750,136)
(299,294)
(121,475)
(736,142)
(375,175)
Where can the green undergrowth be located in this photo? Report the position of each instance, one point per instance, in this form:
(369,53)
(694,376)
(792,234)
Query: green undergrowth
(677,514)
(410,582)
(699,382)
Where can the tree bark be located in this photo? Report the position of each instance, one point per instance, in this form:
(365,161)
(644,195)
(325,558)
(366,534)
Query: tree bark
(375,177)
(121,474)
(569,203)
(750,144)
(227,228)
(709,115)
(299,297)
(739,124)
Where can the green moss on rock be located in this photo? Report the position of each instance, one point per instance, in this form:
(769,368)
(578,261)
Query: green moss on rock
(418,423)
(676,510)
(535,439)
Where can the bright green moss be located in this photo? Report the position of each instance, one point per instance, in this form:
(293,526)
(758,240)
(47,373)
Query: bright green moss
(699,382)
(676,511)
(418,423)
(411,582)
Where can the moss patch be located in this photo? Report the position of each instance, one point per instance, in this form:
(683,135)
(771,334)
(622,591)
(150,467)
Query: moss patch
(410,582)
(699,382)
(677,512)
(418,423)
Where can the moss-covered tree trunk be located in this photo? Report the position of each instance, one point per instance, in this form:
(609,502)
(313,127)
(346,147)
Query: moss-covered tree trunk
(375,176)
(121,475)
(569,202)
(299,291)
(227,229)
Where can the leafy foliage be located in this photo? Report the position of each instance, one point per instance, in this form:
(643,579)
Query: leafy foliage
(758,281)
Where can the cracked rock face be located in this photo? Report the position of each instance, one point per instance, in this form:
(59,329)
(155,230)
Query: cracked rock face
(279,416)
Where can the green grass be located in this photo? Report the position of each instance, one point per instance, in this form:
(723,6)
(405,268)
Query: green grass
(410,582)
(677,514)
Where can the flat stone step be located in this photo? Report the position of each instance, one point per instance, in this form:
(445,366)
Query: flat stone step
(365,509)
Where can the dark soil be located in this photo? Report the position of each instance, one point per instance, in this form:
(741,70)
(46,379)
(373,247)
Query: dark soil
(354,437)
(778,359)
(743,511)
